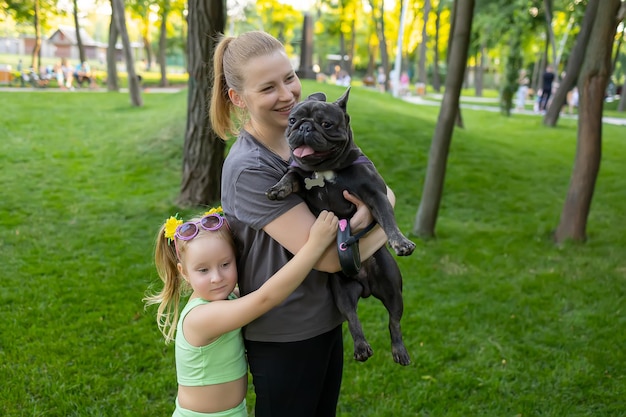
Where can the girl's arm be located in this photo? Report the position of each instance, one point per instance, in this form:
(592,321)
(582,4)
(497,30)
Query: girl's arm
(291,231)
(219,317)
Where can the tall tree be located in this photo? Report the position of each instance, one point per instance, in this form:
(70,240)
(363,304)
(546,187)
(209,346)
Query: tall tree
(551,38)
(141,10)
(378,17)
(573,65)
(511,76)
(421,64)
(594,78)
(164,9)
(36,57)
(427,212)
(436,75)
(203,153)
(133,82)
(622,100)
(79,40)
(112,79)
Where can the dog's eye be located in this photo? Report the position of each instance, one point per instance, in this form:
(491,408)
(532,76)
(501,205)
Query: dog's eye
(327,125)
(291,121)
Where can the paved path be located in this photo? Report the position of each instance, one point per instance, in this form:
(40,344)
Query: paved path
(148,90)
(496,109)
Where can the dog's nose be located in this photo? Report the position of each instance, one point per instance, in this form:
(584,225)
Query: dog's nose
(305,128)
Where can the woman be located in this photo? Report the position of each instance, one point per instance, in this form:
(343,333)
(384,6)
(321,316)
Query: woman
(295,351)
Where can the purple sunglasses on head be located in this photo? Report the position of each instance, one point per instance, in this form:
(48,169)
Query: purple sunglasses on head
(189,230)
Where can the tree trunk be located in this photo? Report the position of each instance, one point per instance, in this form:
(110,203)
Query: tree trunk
(371,60)
(454,11)
(133,82)
(163,43)
(384,54)
(379,23)
(352,46)
(536,79)
(435,174)
(79,41)
(36,54)
(592,86)
(112,80)
(421,65)
(512,73)
(342,50)
(184,35)
(436,77)
(480,71)
(147,41)
(620,40)
(573,65)
(551,38)
(622,99)
(203,153)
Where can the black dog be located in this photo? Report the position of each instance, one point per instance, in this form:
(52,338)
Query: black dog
(326,162)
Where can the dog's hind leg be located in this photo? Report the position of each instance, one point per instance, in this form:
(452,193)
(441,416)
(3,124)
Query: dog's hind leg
(346,292)
(387,287)
(398,350)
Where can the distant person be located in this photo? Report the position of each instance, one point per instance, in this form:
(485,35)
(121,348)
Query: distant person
(404,83)
(198,256)
(58,74)
(546,88)
(68,74)
(20,70)
(343,79)
(381,79)
(522,90)
(572,99)
(82,74)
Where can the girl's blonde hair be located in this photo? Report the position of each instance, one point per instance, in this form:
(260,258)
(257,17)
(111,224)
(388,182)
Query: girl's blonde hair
(174,285)
(230,60)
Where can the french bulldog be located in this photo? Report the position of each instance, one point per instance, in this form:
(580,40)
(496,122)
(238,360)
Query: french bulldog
(326,161)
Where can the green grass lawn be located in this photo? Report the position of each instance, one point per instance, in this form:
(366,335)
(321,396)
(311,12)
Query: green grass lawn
(499,321)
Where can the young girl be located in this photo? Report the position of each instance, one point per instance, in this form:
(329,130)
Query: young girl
(200,254)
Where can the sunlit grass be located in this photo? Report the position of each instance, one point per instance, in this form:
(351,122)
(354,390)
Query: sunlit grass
(499,321)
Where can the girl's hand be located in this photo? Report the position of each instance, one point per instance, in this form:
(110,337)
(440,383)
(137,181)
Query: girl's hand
(324,230)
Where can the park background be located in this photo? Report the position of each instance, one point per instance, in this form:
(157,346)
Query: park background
(499,320)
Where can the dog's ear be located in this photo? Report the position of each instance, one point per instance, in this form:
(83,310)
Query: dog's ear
(317,97)
(342,101)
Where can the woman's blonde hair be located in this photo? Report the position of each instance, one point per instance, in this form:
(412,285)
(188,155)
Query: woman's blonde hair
(229,71)
(174,285)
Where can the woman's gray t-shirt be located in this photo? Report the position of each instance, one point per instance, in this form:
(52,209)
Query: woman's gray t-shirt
(249,170)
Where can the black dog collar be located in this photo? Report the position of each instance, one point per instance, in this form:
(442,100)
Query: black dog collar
(349,256)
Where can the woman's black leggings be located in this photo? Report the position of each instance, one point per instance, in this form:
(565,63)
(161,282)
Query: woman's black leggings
(297,378)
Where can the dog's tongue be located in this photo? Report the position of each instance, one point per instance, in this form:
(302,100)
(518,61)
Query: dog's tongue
(302,151)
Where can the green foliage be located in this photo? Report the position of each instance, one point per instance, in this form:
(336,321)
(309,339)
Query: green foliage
(499,321)
(282,21)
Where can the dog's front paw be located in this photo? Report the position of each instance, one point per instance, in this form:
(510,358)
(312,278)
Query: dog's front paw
(402,247)
(278,193)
